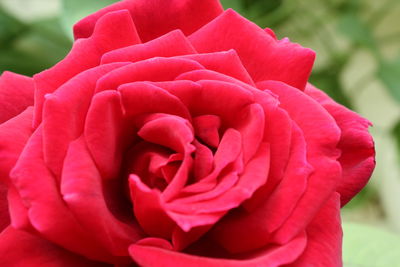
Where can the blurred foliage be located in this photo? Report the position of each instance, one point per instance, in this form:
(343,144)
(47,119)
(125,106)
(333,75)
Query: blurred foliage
(30,48)
(366,246)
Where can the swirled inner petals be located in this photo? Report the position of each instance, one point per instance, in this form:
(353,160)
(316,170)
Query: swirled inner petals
(170,131)
(206,128)
(271,213)
(152,216)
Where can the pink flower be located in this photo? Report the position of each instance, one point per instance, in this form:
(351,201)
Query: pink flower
(176,134)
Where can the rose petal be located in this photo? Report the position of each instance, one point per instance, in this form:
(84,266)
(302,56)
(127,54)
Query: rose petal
(263,57)
(14,134)
(232,66)
(17,210)
(112,31)
(209,211)
(171,44)
(187,15)
(358,154)
(19,248)
(147,256)
(105,134)
(223,99)
(4,215)
(47,212)
(64,114)
(82,190)
(176,134)
(271,213)
(151,217)
(142,98)
(278,133)
(154,69)
(227,165)
(206,128)
(16,94)
(182,239)
(286,195)
(322,136)
(171,131)
(324,237)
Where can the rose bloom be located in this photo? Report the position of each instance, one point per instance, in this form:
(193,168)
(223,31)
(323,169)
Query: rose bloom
(176,134)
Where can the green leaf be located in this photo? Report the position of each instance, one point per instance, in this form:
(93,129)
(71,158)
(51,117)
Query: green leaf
(74,10)
(356,30)
(389,73)
(368,246)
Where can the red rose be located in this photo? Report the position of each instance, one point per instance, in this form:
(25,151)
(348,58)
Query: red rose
(176,134)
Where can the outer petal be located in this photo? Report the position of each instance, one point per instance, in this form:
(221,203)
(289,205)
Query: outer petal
(16,94)
(154,18)
(113,31)
(321,135)
(324,238)
(19,248)
(47,212)
(13,136)
(358,154)
(263,56)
